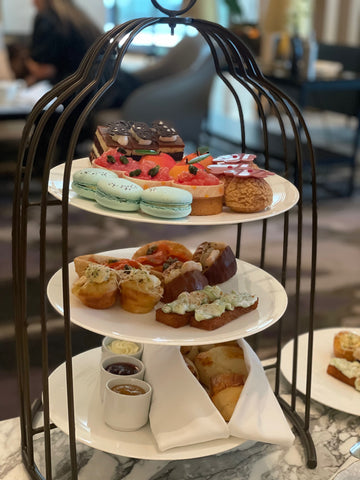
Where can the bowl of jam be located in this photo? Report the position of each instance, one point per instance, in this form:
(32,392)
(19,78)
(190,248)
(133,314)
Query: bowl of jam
(120,367)
(127,403)
(115,346)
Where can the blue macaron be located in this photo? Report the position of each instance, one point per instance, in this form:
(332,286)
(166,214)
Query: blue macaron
(84,181)
(119,194)
(166,202)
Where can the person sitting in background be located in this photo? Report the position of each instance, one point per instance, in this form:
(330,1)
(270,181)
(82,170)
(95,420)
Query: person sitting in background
(62,34)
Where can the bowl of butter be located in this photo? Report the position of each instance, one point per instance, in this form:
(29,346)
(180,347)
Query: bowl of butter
(116,346)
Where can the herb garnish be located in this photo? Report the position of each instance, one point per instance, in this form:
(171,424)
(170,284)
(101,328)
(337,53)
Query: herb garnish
(154,171)
(110,159)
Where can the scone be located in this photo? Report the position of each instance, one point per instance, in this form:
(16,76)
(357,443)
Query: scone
(225,390)
(220,360)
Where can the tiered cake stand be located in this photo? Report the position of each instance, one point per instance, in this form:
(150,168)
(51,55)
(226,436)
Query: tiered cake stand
(65,401)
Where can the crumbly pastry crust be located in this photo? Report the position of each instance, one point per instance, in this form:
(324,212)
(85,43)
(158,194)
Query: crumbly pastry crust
(248,195)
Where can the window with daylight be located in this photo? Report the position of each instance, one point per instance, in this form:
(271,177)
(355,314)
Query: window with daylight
(120,11)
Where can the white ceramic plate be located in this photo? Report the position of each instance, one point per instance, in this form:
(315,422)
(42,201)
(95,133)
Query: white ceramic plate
(324,388)
(91,428)
(116,322)
(285,196)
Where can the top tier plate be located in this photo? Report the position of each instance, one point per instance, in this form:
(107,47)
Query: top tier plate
(285,196)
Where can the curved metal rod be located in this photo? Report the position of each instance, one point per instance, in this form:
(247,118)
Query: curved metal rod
(79,87)
(173,13)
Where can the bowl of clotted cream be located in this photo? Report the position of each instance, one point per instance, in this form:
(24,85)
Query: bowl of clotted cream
(115,346)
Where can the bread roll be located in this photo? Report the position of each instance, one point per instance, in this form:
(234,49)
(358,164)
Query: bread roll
(220,359)
(225,380)
(226,400)
(191,366)
(189,351)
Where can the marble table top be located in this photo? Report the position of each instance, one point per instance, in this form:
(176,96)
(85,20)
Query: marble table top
(333,433)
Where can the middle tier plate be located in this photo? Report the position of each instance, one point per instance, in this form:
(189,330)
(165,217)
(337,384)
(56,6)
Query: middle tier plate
(118,323)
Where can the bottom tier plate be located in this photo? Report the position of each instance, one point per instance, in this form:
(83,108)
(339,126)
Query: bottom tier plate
(91,428)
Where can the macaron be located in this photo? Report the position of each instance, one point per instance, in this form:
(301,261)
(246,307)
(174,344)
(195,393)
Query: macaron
(85,181)
(119,194)
(166,202)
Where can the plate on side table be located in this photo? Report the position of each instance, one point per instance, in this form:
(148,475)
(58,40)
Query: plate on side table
(324,388)
(285,196)
(91,429)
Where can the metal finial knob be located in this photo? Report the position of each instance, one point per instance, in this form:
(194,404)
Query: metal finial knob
(173,13)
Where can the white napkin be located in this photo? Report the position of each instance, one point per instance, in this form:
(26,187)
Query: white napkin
(182,413)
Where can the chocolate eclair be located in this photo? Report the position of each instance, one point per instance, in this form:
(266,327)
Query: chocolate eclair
(218,261)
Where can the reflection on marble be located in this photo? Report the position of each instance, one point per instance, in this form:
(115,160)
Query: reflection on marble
(333,434)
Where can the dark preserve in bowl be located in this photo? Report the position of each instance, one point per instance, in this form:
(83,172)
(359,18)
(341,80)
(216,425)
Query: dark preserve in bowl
(122,368)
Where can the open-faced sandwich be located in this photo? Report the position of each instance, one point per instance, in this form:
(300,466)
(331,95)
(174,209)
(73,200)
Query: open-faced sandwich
(83,261)
(207,309)
(345,365)
(162,253)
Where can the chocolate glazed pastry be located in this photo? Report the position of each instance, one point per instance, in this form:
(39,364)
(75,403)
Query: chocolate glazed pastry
(186,282)
(218,261)
(143,138)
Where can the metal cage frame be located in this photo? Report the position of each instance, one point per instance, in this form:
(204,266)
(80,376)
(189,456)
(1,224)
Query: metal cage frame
(84,88)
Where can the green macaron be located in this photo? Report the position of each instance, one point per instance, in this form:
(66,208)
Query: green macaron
(166,202)
(85,180)
(119,194)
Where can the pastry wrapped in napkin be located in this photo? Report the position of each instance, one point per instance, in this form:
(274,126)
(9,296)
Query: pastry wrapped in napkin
(182,412)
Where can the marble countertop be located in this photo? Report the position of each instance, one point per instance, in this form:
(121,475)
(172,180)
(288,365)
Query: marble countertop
(333,433)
